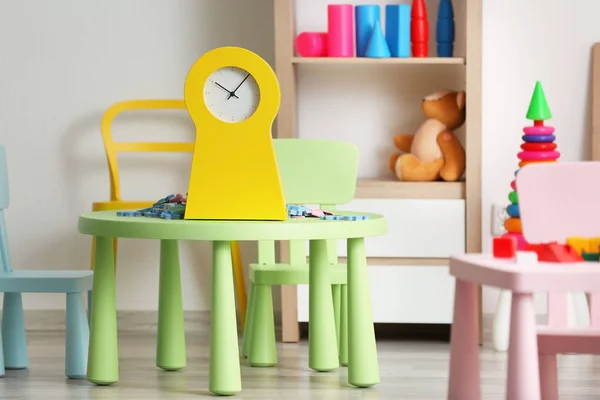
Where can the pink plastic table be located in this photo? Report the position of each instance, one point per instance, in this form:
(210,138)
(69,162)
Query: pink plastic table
(472,270)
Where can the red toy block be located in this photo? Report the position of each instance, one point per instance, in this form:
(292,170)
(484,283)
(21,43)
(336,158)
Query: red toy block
(505,247)
(555,252)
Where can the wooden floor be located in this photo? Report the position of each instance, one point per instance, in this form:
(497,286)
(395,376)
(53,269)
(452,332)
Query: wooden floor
(409,370)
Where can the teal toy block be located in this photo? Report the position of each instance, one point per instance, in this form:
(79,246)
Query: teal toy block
(378,47)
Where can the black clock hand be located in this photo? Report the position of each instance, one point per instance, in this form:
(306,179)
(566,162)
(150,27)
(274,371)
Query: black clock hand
(231,94)
(241,83)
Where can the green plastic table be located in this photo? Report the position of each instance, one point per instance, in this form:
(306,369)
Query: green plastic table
(225,379)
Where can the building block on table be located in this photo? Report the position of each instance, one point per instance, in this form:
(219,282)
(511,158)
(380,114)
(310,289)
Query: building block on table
(594,246)
(590,256)
(521,243)
(579,244)
(527,257)
(554,252)
(504,247)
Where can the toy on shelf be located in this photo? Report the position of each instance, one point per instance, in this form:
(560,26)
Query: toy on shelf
(397,29)
(419,29)
(378,47)
(357,30)
(366,16)
(445,29)
(433,152)
(312,44)
(340,25)
(539,147)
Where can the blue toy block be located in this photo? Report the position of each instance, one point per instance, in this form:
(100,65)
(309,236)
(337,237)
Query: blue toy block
(397,29)
(445,29)
(365,18)
(377,47)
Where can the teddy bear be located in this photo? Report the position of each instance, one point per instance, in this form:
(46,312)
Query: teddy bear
(433,152)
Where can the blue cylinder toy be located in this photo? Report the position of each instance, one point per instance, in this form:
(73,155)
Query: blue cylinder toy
(366,16)
(445,29)
(397,29)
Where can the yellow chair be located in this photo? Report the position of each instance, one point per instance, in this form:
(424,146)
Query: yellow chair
(116,203)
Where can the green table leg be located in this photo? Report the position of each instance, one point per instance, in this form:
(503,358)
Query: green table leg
(225,378)
(322,343)
(170,347)
(363,367)
(344,327)
(103,357)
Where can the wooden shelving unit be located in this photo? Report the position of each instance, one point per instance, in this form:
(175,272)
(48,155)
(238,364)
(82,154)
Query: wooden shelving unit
(468,191)
(376,61)
(390,189)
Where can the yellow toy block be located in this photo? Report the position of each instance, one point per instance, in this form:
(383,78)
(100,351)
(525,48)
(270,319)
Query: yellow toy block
(594,245)
(233,97)
(579,244)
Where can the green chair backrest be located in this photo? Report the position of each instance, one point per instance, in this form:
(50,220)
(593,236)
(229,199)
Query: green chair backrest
(317,171)
(313,171)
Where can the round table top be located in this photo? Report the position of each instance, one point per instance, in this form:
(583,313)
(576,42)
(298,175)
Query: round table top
(108,224)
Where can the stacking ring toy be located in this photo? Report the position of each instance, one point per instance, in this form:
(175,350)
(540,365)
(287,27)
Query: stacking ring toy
(539,130)
(538,138)
(520,240)
(516,172)
(513,185)
(524,163)
(538,155)
(513,211)
(538,146)
(513,225)
(513,197)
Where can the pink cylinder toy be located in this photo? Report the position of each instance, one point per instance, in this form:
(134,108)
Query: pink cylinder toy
(312,44)
(340,21)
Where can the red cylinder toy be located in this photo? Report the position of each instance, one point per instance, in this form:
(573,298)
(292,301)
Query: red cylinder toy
(419,29)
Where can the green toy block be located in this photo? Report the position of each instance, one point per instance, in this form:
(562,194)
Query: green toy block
(590,256)
(538,107)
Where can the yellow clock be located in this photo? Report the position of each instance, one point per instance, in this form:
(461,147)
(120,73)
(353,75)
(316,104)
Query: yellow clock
(233,97)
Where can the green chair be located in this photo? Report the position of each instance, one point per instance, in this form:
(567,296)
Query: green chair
(312,172)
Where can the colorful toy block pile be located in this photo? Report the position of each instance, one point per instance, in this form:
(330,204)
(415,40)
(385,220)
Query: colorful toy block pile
(173,207)
(303,212)
(170,207)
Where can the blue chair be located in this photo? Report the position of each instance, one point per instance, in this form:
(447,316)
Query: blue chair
(13,353)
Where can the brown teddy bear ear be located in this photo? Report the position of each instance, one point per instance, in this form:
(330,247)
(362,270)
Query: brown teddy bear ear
(460,100)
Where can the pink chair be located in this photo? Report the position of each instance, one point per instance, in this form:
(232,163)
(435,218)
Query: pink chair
(556,201)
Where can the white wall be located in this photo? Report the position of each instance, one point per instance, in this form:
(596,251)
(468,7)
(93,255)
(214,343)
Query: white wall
(525,41)
(64,62)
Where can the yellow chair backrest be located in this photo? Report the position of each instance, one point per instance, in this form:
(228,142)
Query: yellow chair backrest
(112,147)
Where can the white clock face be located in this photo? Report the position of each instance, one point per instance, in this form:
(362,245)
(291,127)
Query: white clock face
(231,94)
